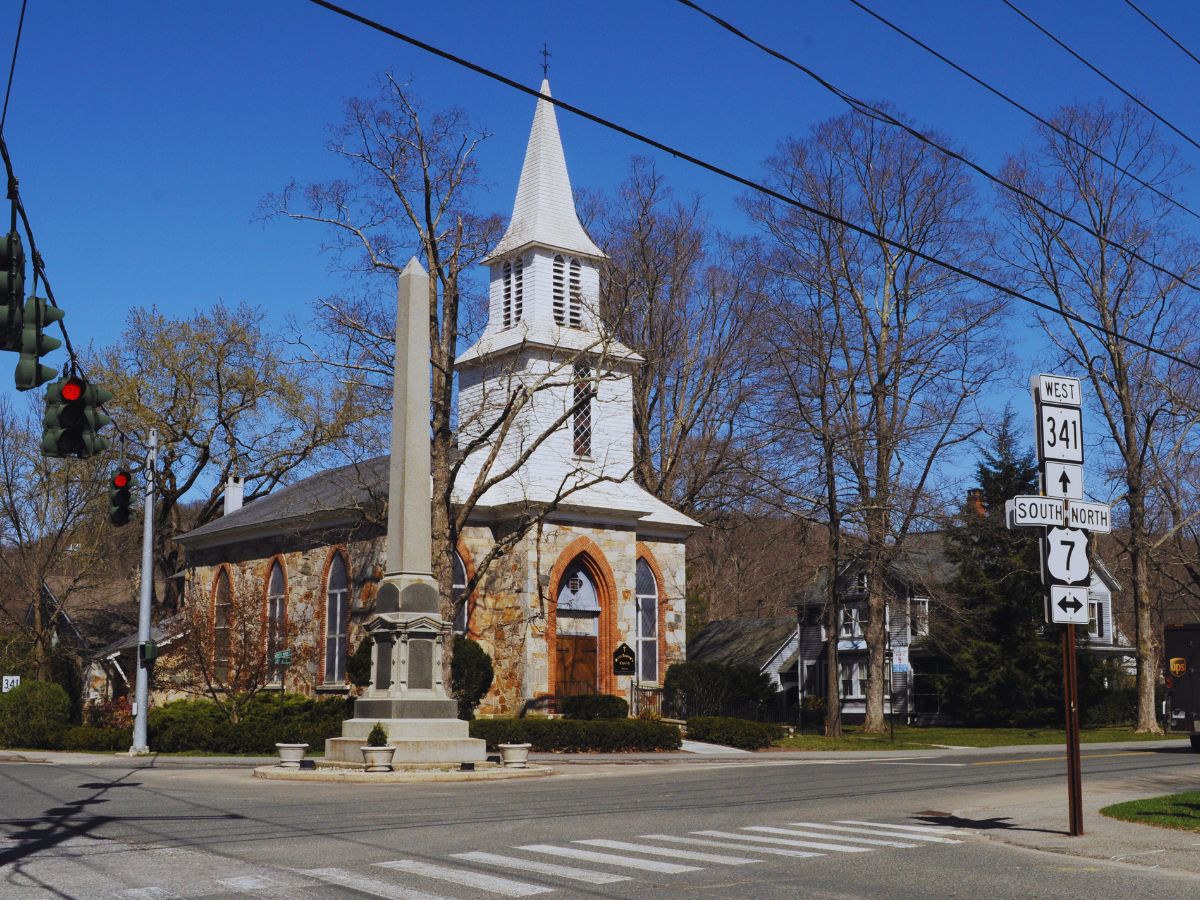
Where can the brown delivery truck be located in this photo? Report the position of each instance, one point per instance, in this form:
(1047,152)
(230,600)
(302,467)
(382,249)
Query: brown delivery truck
(1181,668)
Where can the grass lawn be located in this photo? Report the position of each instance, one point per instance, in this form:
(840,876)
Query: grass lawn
(914,738)
(1180,811)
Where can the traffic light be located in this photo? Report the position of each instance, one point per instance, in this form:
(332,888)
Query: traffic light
(12,290)
(34,344)
(72,418)
(118,498)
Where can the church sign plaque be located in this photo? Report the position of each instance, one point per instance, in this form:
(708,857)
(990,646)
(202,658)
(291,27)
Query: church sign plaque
(624,661)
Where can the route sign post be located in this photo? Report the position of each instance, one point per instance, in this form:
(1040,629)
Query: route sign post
(1067,523)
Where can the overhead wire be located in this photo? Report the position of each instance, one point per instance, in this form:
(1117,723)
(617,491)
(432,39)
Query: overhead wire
(1016,104)
(750,183)
(1170,37)
(12,68)
(867,109)
(1049,34)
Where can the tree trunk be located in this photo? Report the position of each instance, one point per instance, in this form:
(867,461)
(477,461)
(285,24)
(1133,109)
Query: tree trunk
(1145,640)
(875,722)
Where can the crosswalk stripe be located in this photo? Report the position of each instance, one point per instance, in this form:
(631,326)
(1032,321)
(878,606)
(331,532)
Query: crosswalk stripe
(263,886)
(542,868)
(670,851)
(817,834)
(876,831)
(147,893)
(814,845)
(493,883)
(649,865)
(372,886)
(928,829)
(728,845)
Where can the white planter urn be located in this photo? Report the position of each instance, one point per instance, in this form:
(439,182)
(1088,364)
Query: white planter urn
(290,755)
(514,756)
(378,759)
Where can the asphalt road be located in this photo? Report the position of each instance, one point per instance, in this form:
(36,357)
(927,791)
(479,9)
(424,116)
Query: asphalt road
(140,829)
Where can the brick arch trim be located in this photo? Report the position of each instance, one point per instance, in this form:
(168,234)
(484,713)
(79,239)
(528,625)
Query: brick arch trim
(323,603)
(645,553)
(472,600)
(606,588)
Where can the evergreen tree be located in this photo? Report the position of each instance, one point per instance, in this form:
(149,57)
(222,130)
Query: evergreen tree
(1003,665)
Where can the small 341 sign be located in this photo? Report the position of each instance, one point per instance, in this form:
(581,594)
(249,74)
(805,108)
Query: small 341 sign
(8,682)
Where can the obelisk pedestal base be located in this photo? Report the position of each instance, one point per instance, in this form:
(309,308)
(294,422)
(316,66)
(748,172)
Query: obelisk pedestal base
(421,741)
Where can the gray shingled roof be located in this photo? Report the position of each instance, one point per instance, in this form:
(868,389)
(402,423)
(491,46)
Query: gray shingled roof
(741,642)
(328,494)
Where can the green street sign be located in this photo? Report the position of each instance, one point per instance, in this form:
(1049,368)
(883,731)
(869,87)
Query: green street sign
(283,658)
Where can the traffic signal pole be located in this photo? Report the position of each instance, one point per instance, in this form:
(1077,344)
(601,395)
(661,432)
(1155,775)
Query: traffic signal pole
(142,690)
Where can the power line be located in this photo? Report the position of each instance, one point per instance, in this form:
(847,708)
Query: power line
(1170,37)
(749,183)
(1187,137)
(13,66)
(1025,109)
(863,108)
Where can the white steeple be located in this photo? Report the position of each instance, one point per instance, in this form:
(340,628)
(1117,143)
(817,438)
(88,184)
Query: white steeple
(544,211)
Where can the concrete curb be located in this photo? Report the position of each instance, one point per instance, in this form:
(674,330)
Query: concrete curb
(335,775)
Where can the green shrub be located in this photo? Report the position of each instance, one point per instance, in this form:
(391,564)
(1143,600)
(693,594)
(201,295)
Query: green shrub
(579,735)
(358,664)
(378,736)
(200,725)
(471,675)
(595,706)
(707,689)
(740,733)
(34,714)
(1117,706)
(95,739)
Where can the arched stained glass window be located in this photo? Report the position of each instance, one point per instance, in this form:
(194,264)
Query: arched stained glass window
(276,617)
(647,622)
(337,620)
(222,614)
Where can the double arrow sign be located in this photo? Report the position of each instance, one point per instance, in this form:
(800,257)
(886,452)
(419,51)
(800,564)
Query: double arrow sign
(1060,509)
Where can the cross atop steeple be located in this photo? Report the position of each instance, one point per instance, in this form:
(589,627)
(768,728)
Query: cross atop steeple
(546,54)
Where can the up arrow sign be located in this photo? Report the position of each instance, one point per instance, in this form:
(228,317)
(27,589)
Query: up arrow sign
(1062,480)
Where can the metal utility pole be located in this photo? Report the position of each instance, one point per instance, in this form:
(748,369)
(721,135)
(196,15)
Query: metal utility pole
(145,655)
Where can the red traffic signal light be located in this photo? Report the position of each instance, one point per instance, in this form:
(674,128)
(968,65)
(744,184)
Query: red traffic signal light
(118,497)
(121,480)
(72,389)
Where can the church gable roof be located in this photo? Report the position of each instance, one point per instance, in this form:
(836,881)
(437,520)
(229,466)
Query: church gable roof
(544,211)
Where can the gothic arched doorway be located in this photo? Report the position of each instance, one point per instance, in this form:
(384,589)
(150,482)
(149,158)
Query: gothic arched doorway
(577,632)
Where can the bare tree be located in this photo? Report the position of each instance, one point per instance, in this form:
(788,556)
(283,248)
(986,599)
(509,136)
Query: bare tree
(902,343)
(225,401)
(1148,404)
(681,297)
(53,531)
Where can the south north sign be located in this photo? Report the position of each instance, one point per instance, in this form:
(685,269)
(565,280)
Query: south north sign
(1026,511)
(1090,516)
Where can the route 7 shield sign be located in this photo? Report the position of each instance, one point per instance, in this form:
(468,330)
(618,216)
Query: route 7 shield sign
(1065,556)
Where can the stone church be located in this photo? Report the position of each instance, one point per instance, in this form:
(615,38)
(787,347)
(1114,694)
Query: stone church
(605,572)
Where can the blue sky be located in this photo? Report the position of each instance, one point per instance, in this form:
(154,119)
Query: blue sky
(145,133)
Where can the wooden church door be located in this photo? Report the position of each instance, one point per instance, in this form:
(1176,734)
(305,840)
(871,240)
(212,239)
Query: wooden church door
(577,633)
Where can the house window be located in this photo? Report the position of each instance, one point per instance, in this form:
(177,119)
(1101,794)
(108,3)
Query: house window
(920,617)
(647,622)
(337,620)
(854,680)
(560,290)
(1096,619)
(581,412)
(276,599)
(853,618)
(222,613)
(458,591)
(576,306)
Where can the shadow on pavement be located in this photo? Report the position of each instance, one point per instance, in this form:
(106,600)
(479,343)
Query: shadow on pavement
(992,824)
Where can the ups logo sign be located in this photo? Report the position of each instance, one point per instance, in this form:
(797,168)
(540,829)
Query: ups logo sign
(1178,666)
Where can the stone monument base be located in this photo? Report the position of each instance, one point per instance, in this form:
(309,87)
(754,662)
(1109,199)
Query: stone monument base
(417,741)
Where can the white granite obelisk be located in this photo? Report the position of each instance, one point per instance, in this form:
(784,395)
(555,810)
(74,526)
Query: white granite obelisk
(409,634)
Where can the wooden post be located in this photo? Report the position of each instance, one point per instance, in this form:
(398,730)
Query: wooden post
(1071,710)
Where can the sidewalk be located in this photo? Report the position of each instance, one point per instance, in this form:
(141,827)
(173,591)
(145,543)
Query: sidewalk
(699,755)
